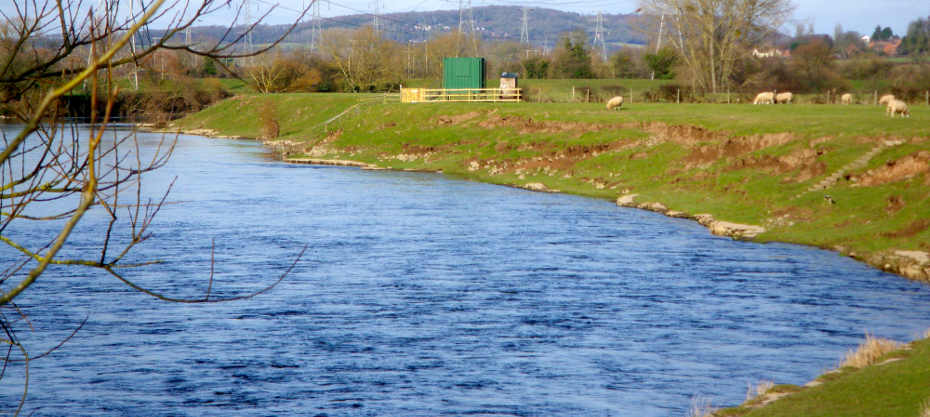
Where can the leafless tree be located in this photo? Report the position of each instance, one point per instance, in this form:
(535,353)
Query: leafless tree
(47,49)
(709,35)
(363,56)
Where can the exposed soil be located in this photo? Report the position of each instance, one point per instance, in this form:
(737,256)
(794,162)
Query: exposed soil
(893,171)
(895,204)
(457,119)
(683,135)
(913,229)
(529,126)
(410,148)
(804,161)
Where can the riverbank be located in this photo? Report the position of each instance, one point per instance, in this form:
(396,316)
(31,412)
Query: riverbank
(844,178)
(881,378)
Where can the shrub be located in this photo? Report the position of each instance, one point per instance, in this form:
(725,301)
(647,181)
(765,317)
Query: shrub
(269,120)
(669,92)
(869,352)
(910,82)
(613,90)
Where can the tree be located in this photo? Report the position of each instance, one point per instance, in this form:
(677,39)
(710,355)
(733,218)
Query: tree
(662,63)
(363,56)
(452,44)
(812,65)
(55,176)
(917,40)
(847,44)
(880,34)
(709,35)
(572,59)
(535,67)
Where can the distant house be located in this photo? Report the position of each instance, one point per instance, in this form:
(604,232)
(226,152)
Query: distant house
(889,48)
(771,53)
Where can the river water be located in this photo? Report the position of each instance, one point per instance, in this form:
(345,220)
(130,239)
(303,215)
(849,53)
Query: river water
(422,295)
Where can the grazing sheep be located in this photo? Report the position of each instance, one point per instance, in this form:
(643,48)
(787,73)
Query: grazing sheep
(846,99)
(765,97)
(896,107)
(615,103)
(886,99)
(784,98)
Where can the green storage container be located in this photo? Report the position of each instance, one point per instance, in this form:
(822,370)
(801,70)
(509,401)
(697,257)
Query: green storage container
(463,73)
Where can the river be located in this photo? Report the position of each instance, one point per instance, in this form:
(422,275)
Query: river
(424,295)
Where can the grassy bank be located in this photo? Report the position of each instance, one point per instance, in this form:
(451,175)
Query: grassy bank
(891,384)
(771,166)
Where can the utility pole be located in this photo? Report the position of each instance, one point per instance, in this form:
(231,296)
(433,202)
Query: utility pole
(409,60)
(316,27)
(376,16)
(248,23)
(474,32)
(461,16)
(132,48)
(525,27)
(658,41)
(599,35)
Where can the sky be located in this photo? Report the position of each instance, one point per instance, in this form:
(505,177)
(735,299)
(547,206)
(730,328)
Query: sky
(858,15)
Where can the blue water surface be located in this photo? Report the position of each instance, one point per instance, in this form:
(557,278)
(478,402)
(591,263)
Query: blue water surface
(423,295)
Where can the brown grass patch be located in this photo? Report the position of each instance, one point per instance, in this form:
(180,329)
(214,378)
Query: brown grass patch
(457,119)
(802,160)
(902,169)
(529,126)
(681,134)
(895,204)
(869,352)
(736,147)
(916,227)
(410,148)
(559,160)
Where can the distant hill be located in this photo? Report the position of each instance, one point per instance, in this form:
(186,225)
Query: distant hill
(494,23)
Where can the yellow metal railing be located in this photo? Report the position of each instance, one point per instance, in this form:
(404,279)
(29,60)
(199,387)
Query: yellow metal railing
(435,95)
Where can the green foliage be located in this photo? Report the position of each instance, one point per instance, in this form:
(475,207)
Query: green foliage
(573,58)
(663,63)
(208,68)
(536,67)
(880,34)
(917,40)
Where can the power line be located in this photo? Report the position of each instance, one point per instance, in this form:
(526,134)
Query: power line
(599,35)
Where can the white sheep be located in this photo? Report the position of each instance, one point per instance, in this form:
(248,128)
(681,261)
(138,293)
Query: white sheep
(615,103)
(897,107)
(784,98)
(846,99)
(765,97)
(886,99)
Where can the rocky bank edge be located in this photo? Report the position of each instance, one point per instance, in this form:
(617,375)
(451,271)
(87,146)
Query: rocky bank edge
(910,264)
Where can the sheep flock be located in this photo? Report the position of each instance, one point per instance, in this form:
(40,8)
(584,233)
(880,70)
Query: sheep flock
(893,106)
